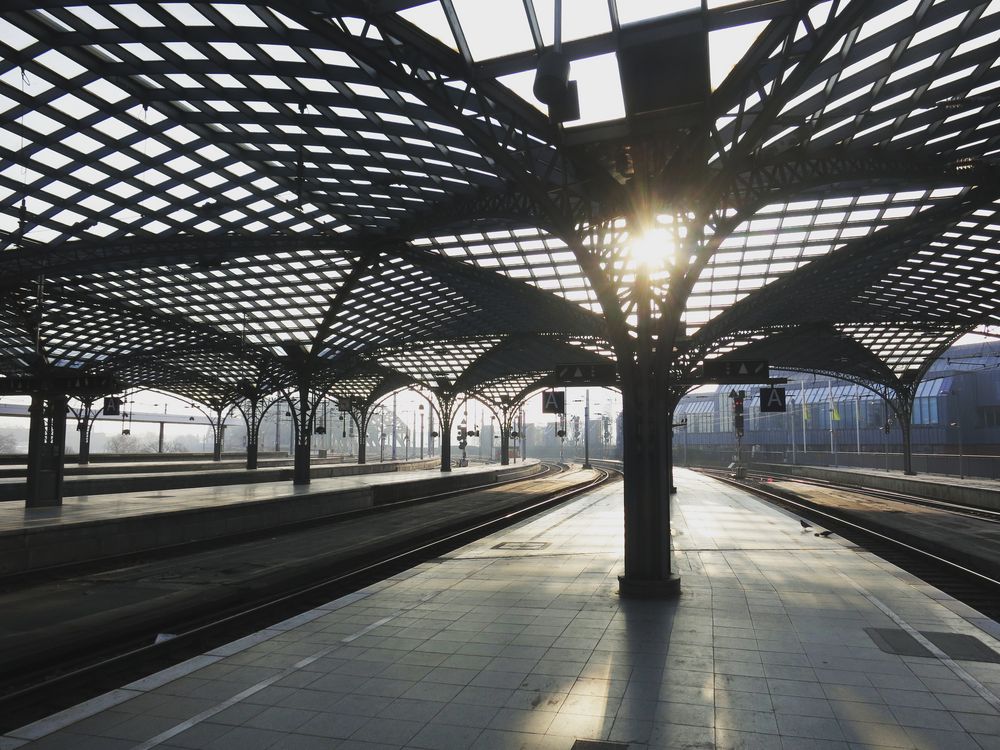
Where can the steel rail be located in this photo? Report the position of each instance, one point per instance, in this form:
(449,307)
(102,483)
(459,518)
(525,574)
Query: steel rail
(815,509)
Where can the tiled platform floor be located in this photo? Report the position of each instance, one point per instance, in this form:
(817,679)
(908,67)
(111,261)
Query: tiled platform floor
(532,648)
(85,508)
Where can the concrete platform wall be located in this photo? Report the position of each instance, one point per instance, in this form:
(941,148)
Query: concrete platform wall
(108,484)
(44,546)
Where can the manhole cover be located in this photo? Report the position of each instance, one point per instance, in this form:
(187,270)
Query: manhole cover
(521,545)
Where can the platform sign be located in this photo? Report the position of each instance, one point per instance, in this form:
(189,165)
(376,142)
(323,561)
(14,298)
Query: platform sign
(586,374)
(344,403)
(553,402)
(772,399)
(736,370)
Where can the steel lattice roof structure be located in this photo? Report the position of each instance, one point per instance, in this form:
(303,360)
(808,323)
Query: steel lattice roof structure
(210,197)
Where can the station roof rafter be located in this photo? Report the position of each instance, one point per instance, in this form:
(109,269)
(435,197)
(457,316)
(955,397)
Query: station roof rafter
(377,184)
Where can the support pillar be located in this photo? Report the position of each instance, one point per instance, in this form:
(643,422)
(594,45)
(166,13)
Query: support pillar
(505,442)
(647,497)
(303,436)
(253,418)
(85,425)
(159,444)
(361,420)
(445,442)
(904,425)
(83,453)
(46,450)
(218,436)
(362,439)
(902,405)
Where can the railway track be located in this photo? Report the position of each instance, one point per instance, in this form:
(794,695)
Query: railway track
(47,686)
(959,573)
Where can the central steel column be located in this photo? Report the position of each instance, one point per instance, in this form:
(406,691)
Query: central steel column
(646,462)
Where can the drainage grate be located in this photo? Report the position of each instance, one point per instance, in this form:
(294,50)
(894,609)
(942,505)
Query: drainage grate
(957,646)
(521,545)
(598,745)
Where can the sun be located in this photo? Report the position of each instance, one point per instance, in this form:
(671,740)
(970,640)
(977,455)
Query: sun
(652,250)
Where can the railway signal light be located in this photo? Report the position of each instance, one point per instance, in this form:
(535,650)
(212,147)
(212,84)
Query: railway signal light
(737,397)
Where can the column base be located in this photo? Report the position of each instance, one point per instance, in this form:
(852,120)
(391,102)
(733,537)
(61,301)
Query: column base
(638,588)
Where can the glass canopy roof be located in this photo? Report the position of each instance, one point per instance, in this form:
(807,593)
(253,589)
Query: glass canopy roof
(184,179)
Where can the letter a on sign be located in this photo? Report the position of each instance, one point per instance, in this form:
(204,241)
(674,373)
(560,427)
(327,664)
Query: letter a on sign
(553,402)
(772,399)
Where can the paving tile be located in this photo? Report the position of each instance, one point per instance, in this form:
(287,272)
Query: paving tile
(932,739)
(743,700)
(245,738)
(522,720)
(684,713)
(813,727)
(926,718)
(727,739)
(437,736)
(387,731)
(808,743)
(757,722)
(875,734)
(333,725)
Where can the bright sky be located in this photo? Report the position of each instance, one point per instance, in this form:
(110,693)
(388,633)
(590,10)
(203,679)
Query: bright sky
(503,29)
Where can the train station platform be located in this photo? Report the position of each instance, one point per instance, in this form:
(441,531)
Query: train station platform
(104,479)
(780,640)
(972,491)
(88,527)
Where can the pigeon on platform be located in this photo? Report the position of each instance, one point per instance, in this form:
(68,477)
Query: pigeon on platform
(823,533)
(805,525)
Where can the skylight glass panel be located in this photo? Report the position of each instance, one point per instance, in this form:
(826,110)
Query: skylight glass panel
(580,19)
(138,15)
(240,15)
(281,53)
(334,57)
(726,47)
(186,14)
(430,18)
(600,89)
(141,51)
(14,36)
(73,106)
(499,29)
(184,50)
(106,90)
(632,11)
(91,17)
(60,64)
(39,122)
